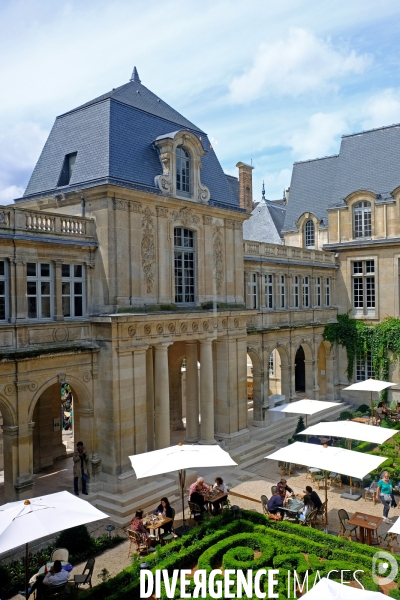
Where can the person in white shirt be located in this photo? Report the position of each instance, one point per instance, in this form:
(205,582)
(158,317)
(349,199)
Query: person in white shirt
(220,485)
(56,576)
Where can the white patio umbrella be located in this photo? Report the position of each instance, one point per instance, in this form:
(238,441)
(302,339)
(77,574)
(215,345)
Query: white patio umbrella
(179,458)
(305,407)
(328,589)
(326,458)
(24,521)
(369,385)
(395,528)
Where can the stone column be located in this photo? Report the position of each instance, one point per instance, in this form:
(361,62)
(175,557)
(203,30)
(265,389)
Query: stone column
(140,399)
(20,288)
(85,416)
(257,397)
(309,367)
(261,290)
(206,393)
(164,252)
(330,388)
(58,313)
(150,399)
(161,396)
(289,291)
(192,392)
(10,436)
(246,289)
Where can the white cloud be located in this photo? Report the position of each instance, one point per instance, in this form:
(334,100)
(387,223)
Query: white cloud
(320,137)
(300,63)
(382,109)
(8,194)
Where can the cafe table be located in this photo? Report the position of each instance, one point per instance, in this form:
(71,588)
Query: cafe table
(293,507)
(213,498)
(366,524)
(155,524)
(364,420)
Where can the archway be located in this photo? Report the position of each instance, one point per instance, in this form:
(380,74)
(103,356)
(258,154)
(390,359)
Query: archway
(255,399)
(274,373)
(300,371)
(322,371)
(8,452)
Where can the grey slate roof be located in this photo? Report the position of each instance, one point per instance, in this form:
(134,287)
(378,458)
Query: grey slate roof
(278,213)
(261,227)
(113,136)
(234,183)
(311,189)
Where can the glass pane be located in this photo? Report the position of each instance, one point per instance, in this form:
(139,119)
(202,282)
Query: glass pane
(32,311)
(78,305)
(66,306)
(78,271)
(66,287)
(45,307)
(45,288)
(45,270)
(31,288)
(2,309)
(65,270)
(78,287)
(2,288)
(2,267)
(31,269)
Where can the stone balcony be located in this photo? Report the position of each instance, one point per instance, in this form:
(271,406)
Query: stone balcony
(290,318)
(22,223)
(286,254)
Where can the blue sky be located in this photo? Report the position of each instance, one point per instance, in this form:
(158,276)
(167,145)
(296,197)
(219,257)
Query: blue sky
(271,82)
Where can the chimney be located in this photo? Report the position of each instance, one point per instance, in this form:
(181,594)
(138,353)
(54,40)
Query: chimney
(245,186)
(287,192)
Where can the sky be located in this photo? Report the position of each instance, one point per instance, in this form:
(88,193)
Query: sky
(270,82)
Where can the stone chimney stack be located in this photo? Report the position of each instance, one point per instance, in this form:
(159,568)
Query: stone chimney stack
(245,186)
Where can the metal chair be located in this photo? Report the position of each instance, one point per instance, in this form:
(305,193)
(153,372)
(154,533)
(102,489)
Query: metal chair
(55,591)
(195,511)
(312,471)
(60,554)
(264,502)
(345,528)
(310,519)
(335,479)
(321,512)
(86,577)
(138,543)
(168,537)
(273,489)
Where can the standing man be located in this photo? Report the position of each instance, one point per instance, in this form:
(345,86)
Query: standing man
(80,468)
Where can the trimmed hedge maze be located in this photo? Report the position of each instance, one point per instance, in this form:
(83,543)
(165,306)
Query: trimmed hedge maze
(250,541)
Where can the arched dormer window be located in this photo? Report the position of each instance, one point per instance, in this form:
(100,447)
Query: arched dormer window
(182,172)
(362,219)
(309,234)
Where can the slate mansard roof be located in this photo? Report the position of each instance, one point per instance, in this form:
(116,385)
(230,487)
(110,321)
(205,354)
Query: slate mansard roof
(368,160)
(113,136)
(265,223)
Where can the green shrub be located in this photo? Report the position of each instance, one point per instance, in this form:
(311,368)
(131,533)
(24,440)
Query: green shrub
(76,540)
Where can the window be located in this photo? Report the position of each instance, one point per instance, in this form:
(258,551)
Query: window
(73,290)
(3,291)
(182,171)
(328,291)
(306,292)
(309,234)
(364,286)
(184,265)
(362,219)
(364,368)
(281,291)
(271,366)
(252,282)
(269,291)
(318,300)
(39,290)
(67,169)
(296,291)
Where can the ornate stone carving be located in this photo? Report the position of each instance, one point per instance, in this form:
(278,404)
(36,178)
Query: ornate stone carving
(236,322)
(162,211)
(218,259)
(183,327)
(206,325)
(86,376)
(8,389)
(237,225)
(195,326)
(33,386)
(203,193)
(136,207)
(164,181)
(171,327)
(60,334)
(4,218)
(121,204)
(186,216)
(224,323)
(132,330)
(61,377)
(147,329)
(160,328)
(148,248)
(229,223)
(207,220)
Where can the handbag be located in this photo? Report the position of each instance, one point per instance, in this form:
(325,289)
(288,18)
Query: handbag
(387,497)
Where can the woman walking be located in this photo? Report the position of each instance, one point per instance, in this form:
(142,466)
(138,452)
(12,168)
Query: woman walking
(384,494)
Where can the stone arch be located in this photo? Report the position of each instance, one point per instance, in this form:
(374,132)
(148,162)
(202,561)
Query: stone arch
(8,412)
(176,354)
(325,370)
(8,440)
(255,383)
(85,399)
(306,362)
(284,368)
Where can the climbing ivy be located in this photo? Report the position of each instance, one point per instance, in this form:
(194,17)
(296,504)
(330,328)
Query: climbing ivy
(382,340)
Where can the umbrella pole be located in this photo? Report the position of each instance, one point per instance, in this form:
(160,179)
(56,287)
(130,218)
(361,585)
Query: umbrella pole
(306,428)
(326,501)
(26,568)
(351,481)
(372,405)
(183,496)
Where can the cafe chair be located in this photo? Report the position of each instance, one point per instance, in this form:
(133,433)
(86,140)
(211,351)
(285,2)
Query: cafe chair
(55,591)
(60,554)
(195,511)
(321,512)
(138,544)
(264,502)
(312,471)
(370,492)
(273,489)
(225,504)
(86,577)
(169,537)
(335,479)
(311,518)
(346,530)
(390,539)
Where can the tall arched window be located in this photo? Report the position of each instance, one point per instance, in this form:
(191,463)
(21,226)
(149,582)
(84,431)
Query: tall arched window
(362,219)
(182,171)
(309,234)
(184,265)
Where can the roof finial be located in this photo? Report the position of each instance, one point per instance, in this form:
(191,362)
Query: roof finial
(263,191)
(135,75)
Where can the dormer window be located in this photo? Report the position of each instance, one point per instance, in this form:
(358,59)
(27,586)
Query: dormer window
(67,169)
(309,234)
(362,219)
(182,172)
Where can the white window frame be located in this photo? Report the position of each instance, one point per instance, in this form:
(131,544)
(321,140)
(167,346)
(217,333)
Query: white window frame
(187,192)
(253,290)
(309,234)
(296,291)
(362,220)
(183,253)
(364,286)
(40,279)
(364,368)
(4,289)
(269,292)
(281,291)
(306,291)
(327,291)
(318,289)
(271,365)
(71,280)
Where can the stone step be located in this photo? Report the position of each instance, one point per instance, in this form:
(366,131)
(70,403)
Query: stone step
(249,453)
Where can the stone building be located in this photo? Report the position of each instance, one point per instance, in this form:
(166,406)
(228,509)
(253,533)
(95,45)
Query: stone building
(125,264)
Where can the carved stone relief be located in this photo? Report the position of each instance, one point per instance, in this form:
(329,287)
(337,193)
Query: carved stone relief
(148,248)
(4,218)
(218,259)
(207,220)
(186,216)
(162,211)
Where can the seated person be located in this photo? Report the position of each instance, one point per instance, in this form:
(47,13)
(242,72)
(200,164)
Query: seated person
(308,507)
(315,499)
(198,498)
(220,485)
(313,439)
(276,501)
(383,411)
(137,525)
(56,576)
(164,508)
(200,481)
(283,484)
